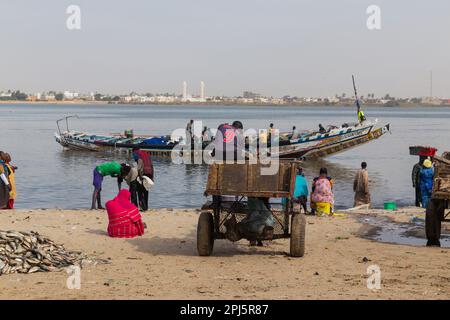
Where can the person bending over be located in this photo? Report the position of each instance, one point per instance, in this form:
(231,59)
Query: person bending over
(112,169)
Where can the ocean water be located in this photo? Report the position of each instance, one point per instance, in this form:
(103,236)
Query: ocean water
(50,177)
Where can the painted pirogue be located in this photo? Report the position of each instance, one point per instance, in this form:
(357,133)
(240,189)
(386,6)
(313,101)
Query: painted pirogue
(308,144)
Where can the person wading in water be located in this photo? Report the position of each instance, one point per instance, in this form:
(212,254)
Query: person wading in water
(361,186)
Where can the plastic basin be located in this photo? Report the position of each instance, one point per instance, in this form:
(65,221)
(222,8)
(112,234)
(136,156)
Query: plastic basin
(390,206)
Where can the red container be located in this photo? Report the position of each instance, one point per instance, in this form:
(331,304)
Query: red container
(422,151)
(427,152)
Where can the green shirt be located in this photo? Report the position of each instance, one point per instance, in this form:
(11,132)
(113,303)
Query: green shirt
(109,169)
(361,117)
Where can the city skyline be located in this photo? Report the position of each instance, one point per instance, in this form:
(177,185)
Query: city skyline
(199,95)
(274,48)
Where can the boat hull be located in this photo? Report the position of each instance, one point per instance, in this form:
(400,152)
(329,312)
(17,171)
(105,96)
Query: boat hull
(332,147)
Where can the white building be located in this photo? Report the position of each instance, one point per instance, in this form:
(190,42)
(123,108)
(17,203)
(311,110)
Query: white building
(165,99)
(48,97)
(70,95)
(202,90)
(334,99)
(6,94)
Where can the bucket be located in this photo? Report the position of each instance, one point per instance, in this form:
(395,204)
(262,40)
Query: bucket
(390,206)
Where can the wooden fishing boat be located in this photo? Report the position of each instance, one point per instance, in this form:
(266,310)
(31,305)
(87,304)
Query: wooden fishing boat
(77,140)
(309,144)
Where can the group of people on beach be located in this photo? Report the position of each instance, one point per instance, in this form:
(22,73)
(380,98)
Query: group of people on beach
(7,181)
(322,196)
(125,220)
(138,176)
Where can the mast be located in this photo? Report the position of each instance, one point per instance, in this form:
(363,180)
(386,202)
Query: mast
(359,112)
(358,106)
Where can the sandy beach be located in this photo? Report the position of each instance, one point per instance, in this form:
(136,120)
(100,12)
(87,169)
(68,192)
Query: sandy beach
(163,264)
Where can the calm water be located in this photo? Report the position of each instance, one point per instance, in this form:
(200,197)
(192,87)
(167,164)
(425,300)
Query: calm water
(50,177)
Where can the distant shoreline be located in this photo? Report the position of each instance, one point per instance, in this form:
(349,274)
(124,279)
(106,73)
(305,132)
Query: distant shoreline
(196,104)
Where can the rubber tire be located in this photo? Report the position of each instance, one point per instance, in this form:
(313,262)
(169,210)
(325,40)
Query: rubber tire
(433,222)
(298,233)
(205,234)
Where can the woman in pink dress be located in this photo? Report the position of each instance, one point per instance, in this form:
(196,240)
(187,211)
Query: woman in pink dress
(125,221)
(322,197)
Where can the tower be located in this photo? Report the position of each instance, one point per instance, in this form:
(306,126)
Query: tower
(184,90)
(202,90)
(431,84)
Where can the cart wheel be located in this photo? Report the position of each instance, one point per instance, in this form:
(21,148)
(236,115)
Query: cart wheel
(298,228)
(205,234)
(433,223)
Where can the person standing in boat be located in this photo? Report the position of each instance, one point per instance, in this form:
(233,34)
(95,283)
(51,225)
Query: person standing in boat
(359,111)
(322,129)
(229,142)
(144,168)
(271,132)
(361,186)
(207,135)
(189,133)
(361,116)
(295,133)
(112,169)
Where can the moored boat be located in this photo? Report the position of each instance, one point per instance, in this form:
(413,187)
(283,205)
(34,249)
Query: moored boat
(306,145)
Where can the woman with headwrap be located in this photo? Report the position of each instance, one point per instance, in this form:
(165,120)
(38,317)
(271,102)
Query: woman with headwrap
(11,179)
(125,221)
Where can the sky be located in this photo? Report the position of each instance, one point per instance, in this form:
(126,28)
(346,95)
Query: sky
(272,47)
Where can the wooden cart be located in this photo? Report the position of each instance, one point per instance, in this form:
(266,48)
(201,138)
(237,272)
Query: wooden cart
(435,212)
(231,186)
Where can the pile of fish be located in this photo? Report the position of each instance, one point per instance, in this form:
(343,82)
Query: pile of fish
(29,252)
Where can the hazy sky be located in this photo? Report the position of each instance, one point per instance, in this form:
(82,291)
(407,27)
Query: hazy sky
(274,47)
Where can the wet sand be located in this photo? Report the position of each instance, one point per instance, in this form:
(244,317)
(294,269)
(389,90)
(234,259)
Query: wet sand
(163,264)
